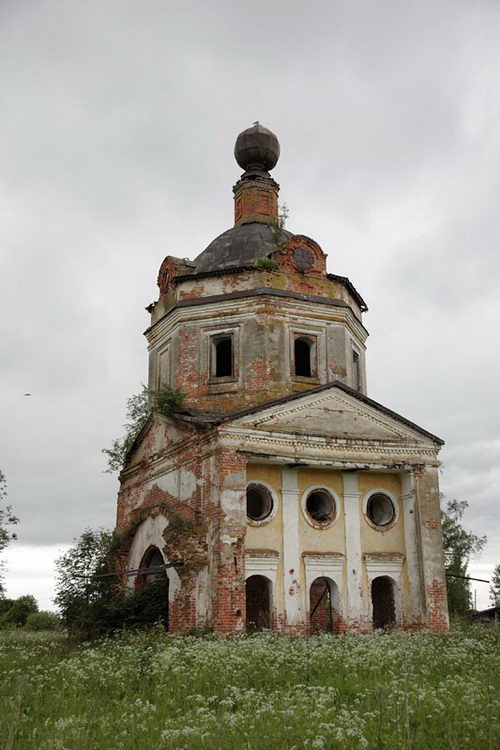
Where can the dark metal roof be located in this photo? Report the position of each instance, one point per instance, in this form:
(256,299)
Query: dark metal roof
(239,246)
(351,288)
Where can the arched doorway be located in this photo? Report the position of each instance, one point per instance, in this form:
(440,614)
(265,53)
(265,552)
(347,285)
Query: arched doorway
(258,603)
(323,606)
(152,587)
(384,610)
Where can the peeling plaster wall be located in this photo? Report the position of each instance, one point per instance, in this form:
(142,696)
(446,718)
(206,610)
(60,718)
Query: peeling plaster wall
(263,328)
(381,552)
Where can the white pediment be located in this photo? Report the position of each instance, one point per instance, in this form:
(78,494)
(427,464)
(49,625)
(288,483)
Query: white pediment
(335,414)
(159,433)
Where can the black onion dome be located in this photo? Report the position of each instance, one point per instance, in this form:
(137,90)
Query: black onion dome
(240,246)
(257,148)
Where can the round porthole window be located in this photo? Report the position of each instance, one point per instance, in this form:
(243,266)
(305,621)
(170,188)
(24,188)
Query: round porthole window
(259,502)
(320,506)
(380,509)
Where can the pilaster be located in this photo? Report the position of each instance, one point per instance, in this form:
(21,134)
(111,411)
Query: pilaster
(293,591)
(414,616)
(433,576)
(355,600)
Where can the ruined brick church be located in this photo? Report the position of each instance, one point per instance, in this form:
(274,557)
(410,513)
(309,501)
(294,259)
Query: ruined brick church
(279,495)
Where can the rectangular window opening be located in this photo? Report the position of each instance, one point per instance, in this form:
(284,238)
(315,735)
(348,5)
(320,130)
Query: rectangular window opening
(222,356)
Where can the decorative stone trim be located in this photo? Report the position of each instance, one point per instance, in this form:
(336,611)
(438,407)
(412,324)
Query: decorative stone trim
(274,509)
(380,491)
(262,563)
(384,564)
(320,525)
(323,566)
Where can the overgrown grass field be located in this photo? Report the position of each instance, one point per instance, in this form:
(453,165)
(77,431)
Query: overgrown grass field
(154,692)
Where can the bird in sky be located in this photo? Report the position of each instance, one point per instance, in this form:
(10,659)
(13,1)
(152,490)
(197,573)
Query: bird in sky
(27,394)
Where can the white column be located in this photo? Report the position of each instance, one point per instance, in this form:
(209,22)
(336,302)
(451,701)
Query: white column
(293,593)
(412,546)
(355,602)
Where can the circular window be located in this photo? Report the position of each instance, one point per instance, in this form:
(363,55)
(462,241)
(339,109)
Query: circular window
(380,509)
(259,502)
(320,506)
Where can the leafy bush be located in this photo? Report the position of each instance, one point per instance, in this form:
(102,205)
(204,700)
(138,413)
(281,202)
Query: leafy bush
(42,621)
(14,612)
(268,264)
(88,598)
(7,518)
(167,399)
(139,407)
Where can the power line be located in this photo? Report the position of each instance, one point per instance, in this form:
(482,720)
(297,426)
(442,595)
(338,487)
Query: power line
(467,578)
(132,572)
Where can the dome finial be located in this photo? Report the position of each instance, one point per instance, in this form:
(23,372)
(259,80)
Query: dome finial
(257,149)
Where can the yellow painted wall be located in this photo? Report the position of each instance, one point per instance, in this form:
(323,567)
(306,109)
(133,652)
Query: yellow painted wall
(331,539)
(270,534)
(373,540)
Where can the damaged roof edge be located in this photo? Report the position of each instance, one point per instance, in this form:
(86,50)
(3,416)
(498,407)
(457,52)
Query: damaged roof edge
(263,291)
(343,387)
(226,271)
(206,419)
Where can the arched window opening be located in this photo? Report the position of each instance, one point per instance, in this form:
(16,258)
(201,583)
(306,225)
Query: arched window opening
(380,509)
(259,502)
(384,611)
(152,587)
(323,603)
(258,603)
(223,356)
(320,506)
(302,353)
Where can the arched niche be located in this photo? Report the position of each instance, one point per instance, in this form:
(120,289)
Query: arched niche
(149,535)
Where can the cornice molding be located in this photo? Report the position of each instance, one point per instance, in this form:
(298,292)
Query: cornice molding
(178,315)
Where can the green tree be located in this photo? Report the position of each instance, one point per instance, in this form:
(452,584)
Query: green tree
(459,546)
(7,519)
(495,586)
(90,602)
(42,621)
(139,407)
(78,591)
(14,612)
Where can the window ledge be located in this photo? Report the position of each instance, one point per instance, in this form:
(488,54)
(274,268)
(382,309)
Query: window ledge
(223,385)
(223,379)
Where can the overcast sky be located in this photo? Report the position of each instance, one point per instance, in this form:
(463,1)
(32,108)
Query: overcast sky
(117,127)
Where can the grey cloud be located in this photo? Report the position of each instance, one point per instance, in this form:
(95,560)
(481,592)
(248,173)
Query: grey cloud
(115,146)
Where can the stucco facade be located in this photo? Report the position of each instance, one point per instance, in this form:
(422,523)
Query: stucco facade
(281,495)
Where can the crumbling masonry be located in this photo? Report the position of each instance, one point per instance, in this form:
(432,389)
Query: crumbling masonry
(285,496)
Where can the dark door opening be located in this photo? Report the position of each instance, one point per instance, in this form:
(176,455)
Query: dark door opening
(258,603)
(384,611)
(152,589)
(322,613)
